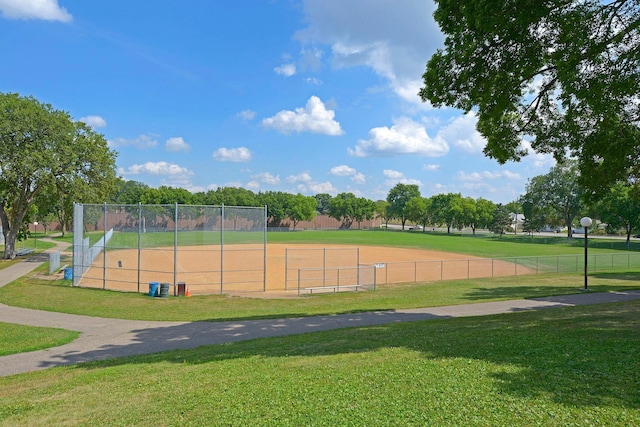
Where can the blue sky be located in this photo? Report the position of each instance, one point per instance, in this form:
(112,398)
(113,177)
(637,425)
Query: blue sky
(302,96)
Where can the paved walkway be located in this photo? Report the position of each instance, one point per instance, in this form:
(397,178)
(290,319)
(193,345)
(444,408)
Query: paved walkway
(109,338)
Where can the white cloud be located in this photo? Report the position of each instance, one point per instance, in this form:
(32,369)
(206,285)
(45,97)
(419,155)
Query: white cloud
(47,10)
(246,115)
(344,170)
(390,173)
(320,187)
(404,137)
(394,177)
(462,133)
(253,185)
(267,178)
(311,59)
(486,175)
(314,117)
(394,41)
(286,70)
(176,144)
(305,184)
(313,81)
(240,154)
(303,177)
(142,142)
(156,168)
(359,178)
(539,160)
(431,168)
(93,121)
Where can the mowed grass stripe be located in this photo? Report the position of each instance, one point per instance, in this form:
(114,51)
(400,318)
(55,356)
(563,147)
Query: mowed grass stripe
(569,366)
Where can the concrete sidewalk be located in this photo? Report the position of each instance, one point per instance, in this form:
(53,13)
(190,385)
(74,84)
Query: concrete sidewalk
(109,338)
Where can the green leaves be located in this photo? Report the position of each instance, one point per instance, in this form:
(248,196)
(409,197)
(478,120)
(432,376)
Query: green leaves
(43,149)
(562,74)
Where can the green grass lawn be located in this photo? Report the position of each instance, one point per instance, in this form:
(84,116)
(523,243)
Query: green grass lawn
(20,338)
(59,296)
(574,366)
(485,245)
(566,366)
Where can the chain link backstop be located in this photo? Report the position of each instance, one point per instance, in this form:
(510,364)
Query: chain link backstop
(206,249)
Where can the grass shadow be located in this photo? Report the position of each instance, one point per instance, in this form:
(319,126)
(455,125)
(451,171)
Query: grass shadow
(578,356)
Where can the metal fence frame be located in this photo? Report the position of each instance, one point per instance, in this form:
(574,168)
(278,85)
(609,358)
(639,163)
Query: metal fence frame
(315,279)
(181,225)
(322,259)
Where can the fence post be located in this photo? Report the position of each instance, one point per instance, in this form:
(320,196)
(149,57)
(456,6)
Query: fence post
(324,266)
(375,277)
(104,248)
(386,274)
(139,241)
(175,246)
(264,234)
(222,249)
(358,265)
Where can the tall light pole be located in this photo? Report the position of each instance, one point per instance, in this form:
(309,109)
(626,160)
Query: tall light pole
(585,222)
(35,234)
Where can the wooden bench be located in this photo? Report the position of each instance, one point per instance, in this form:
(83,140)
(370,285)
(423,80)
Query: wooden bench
(335,288)
(24,251)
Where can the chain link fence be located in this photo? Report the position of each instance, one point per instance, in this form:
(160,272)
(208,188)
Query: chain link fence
(335,279)
(205,249)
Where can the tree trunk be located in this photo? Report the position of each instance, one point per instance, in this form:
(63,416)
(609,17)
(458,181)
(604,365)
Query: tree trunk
(10,243)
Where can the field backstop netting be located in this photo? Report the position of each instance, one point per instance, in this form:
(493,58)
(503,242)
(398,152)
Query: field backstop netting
(207,249)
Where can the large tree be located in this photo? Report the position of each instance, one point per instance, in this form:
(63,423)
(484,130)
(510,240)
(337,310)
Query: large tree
(44,149)
(447,210)
(419,211)
(564,75)
(620,209)
(301,208)
(556,192)
(398,198)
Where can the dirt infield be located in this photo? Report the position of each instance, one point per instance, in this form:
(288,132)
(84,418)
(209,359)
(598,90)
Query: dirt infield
(244,267)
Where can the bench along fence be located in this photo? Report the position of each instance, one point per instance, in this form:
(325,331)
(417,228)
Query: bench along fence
(316,280)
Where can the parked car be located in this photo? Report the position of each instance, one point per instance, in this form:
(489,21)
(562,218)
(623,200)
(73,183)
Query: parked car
(637,236)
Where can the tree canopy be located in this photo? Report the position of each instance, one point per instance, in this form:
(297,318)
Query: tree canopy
(562,75)
(43,149)
(557,192)
(398,198)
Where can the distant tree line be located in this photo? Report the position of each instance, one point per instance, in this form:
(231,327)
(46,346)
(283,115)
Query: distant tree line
(48,161)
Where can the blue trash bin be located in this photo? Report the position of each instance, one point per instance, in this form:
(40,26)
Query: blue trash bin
(153,289)
(68,273)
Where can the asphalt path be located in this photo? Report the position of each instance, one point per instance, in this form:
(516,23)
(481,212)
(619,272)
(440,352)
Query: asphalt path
(102,338)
